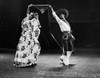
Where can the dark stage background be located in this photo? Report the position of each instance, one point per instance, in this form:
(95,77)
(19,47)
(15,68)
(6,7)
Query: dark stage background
(84,18)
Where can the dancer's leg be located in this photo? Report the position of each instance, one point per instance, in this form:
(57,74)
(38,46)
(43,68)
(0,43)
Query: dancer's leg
(69,52)
(63,57)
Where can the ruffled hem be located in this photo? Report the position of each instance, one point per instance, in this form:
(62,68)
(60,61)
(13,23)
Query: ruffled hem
(19,64)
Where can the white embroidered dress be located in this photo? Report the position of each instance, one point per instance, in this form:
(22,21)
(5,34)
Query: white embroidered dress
(28,48)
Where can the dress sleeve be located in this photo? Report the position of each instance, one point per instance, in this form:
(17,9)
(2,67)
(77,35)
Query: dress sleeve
(39,25)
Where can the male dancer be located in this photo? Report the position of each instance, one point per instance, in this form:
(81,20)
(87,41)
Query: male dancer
(67,37)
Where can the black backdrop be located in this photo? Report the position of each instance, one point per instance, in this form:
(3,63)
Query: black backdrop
(84,19)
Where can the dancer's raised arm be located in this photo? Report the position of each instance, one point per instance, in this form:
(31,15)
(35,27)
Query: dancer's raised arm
(54,14)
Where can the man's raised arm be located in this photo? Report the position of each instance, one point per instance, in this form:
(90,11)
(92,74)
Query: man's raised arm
(55,15)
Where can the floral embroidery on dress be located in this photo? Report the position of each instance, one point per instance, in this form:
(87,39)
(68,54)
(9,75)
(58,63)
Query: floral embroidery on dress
(28,48)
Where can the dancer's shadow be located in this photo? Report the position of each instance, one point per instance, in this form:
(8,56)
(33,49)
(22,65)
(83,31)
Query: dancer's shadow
(62,67)
(70,65)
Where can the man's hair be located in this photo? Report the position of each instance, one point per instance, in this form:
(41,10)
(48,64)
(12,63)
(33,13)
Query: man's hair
(62,11)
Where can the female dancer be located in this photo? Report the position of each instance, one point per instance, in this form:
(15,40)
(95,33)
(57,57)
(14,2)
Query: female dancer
(28,48)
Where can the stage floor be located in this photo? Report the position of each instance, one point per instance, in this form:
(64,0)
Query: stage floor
(81,66)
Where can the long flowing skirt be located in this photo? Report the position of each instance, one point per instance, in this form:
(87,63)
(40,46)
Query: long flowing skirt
(28,50)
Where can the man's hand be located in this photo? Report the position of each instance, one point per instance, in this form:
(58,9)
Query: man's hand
(51,8)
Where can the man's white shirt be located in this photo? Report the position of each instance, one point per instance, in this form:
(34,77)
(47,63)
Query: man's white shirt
(64,26)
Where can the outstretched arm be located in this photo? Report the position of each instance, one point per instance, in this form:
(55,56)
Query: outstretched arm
(55,15)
